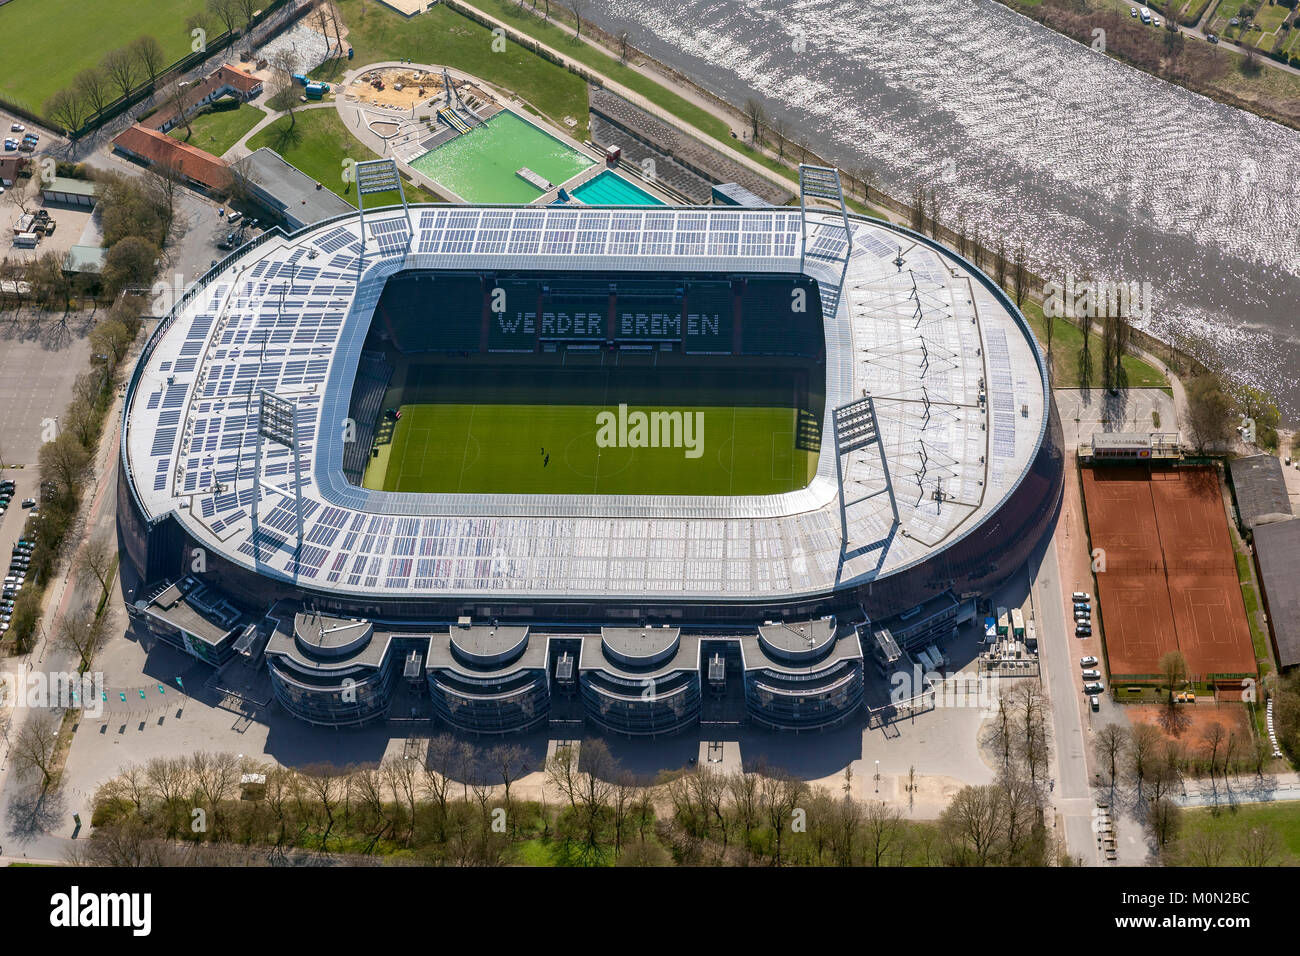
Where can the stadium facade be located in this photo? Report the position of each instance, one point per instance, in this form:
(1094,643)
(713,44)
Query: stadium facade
(939,466)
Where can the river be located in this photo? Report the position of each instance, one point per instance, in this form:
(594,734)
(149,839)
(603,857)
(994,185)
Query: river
(1097,167)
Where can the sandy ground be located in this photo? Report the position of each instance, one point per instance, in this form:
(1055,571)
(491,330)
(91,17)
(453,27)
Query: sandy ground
(417,86)
(1190,723)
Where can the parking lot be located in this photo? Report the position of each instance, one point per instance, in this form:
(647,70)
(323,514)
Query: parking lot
(41,355)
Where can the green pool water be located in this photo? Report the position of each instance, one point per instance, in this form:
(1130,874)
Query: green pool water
(480,165)
(611,189)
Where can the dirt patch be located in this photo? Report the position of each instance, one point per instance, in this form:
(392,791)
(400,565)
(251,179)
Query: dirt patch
(1189,723)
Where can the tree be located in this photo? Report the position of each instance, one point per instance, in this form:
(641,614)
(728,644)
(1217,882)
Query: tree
(578,8)
(973,824)
(247,9)
(32,751)
(67,108)
(148,53)
(1204,848)
(65,461)
(562,772)
(92,85)
(82,633)
(120,67)
(1143,743)
(113,338)
(1020,273)
(284,94)
(82,420)
(1211,412)
(130,262)
(1110,742)
(1164,821)
(226,11)
(1173,671)
(780,794)
(624,39)
(1259,846)
(883,828)
(756,115)
(98,557)
(51,287)
(173,97)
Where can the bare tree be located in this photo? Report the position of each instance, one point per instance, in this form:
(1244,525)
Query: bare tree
(327,787)
(624,40)
(883,827)
(82,633)
(173,97)
(148,53)
(562,772)
(577,8)
(1110,742)
(120,67)
(1141,752)
(780,794)
(93,86)
(1204,848)
(68,109)
(32,750)
(1173,671)
(98,557)
(757,116)
(226,11)
(1259,846)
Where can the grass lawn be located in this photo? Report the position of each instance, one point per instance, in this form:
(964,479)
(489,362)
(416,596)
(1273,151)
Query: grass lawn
(467,427)
(218,130)
(317,142)
(45,43)
(1284,818)
(1067,354)
(498,449)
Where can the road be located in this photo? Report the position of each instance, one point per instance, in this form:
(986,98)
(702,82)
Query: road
(1072,794)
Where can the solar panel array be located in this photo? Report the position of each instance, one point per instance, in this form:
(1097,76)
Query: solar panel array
(293,320)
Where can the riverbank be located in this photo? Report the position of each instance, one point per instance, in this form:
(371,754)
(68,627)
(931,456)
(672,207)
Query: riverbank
(1248,81)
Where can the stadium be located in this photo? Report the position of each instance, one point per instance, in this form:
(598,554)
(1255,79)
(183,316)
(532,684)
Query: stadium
(523,449)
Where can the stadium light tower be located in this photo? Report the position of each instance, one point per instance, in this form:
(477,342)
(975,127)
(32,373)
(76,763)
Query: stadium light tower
(856,427)
(277,420)
(379,176)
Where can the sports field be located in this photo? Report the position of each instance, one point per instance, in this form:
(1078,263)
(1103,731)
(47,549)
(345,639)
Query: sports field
(45,43)
(525,430)
(1170,580)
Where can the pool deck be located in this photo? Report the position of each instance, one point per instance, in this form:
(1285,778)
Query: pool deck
(358,117)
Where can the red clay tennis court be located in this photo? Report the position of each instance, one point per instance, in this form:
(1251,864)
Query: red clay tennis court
(1171,579)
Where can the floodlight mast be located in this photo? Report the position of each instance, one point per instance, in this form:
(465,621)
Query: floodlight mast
(277,421)
(378,176)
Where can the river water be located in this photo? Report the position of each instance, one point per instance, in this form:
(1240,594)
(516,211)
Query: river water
(1098,168)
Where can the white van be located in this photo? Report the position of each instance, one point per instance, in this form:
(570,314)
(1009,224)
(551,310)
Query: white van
(1081,597)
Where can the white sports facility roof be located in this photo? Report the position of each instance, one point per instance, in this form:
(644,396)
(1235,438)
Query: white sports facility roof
(290,314)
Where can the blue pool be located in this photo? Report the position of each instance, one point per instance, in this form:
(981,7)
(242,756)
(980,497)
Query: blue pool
(611,189)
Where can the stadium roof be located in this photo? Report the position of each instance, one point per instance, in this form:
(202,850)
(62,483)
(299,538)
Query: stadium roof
(1261,489)
(957,382)
(1277,548)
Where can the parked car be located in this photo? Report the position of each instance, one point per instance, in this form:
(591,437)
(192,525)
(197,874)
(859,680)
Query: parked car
(1091,675)
(1093,687)
(17,128)
(1133,12)
(1082,597)
(1083,630)
(1211,38)
(1088,661)
(29,502)
(1096,702)
(1155,20)
(1146,15)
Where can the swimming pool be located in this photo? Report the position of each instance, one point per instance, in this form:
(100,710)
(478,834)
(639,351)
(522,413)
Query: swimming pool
(480,165)
(611,189)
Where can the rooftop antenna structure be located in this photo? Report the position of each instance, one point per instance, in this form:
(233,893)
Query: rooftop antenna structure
(379,176)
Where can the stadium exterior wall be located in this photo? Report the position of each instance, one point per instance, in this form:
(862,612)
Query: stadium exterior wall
(978,561)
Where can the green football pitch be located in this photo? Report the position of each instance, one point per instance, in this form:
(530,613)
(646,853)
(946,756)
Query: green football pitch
(743,438)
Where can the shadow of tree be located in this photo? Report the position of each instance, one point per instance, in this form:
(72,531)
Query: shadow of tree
(33,813)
